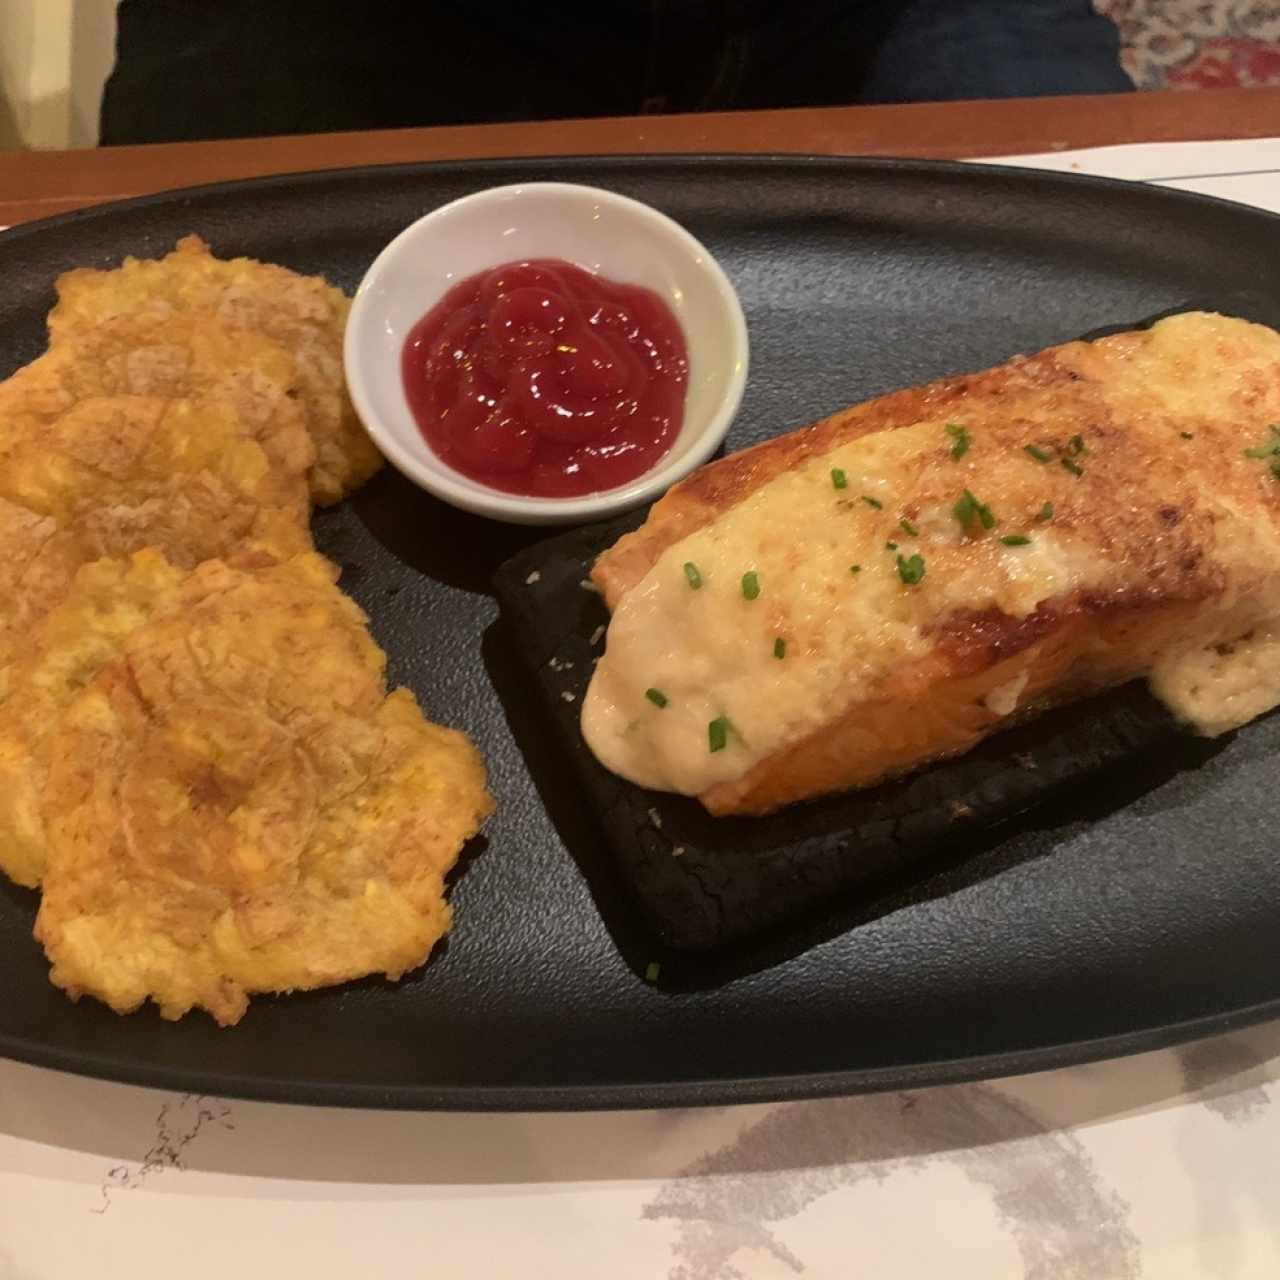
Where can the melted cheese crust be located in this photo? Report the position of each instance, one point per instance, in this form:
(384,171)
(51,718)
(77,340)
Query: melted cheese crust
(1168,512)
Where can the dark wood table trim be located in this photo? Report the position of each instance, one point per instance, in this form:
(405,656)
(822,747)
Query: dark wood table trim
(37,184)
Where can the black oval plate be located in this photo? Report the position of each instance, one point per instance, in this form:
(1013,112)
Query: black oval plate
(1115,919)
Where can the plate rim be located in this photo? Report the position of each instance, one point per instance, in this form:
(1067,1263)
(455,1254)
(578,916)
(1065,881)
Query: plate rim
(642,160)
(641,1096)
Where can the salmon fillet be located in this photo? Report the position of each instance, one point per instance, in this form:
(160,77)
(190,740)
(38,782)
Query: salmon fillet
(896,582)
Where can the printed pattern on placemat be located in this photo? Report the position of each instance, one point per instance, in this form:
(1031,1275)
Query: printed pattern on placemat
(1197,44)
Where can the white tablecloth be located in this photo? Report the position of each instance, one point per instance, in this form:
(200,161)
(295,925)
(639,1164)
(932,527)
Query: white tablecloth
(1165,1165)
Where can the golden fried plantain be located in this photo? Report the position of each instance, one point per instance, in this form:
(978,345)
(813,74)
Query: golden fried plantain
(303,313)
(108,601)
(234,807)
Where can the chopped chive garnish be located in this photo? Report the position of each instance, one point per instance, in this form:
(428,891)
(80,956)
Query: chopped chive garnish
(1039,454)
(651,971)
(1186,435)
(839,479)
(968,509)
(1275,468)
(751,585)
(718,733)
(657,697)
(1046,512)
(1072,466)
(1076,444)
(691,572)
(908,527)
(912,570)
(1271,447)
(872,502)
(855,568)
(891,546)
(779,648)
(961,438)
(1015,540)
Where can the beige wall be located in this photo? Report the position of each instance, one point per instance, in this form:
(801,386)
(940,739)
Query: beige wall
(17,45)
(93,51)
(54,58)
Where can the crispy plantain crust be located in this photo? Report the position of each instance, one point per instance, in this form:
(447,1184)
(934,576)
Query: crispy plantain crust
(304,314)
(234,806)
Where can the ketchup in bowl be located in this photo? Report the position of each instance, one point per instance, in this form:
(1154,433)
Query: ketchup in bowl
(539,378)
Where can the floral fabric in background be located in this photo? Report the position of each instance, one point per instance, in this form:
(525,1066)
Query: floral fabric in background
(1198,44)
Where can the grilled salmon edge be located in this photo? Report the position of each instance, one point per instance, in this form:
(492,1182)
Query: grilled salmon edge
(1084,649)
(718,486)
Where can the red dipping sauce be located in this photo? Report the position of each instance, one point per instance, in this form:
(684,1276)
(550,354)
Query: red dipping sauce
(539,378)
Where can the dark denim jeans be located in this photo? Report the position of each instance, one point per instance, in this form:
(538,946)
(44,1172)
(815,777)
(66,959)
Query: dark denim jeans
(944,49)
(241,67)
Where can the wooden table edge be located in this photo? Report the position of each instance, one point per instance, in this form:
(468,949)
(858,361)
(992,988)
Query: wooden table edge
(42,183)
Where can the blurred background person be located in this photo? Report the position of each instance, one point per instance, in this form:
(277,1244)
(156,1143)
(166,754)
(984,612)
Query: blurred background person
(237,68)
